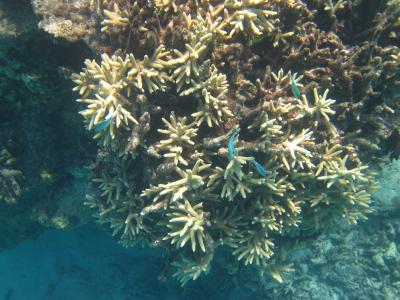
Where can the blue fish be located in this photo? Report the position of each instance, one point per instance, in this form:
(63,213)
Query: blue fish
(231,148)
(103,124)
(259,167)
(295,89)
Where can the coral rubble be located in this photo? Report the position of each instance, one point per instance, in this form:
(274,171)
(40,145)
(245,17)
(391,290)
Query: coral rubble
(361,263)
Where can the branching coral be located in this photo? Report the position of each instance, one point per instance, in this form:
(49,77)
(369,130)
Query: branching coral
(187,63)
(255,246)
(322,106)
(187,222)
(294,150)
(115,19)
(109,109)
(149,73)
(188,269)
(117,205)
(190,180)
(268,128)
(229,149)
(332,7)
(213,106)
(180,135)
(337,171)
(112,84)
(253,21)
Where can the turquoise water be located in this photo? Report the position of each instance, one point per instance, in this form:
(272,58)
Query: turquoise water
(87,263)
(79,264)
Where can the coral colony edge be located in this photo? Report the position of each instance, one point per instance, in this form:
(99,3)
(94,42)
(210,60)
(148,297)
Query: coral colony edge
(243,126)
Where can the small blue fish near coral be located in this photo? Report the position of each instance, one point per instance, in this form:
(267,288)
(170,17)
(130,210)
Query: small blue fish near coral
(259,167)
(295,89)
(103,124)
(231,148)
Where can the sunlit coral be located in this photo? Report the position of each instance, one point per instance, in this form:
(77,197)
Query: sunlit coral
(214,132)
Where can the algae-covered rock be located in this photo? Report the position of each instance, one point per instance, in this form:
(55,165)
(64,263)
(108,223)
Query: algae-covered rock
(40,137)
(16,18)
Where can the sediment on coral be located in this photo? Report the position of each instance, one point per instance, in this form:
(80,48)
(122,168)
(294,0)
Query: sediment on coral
(235,124)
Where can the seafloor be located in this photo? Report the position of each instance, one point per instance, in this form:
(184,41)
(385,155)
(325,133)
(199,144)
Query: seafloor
(50,247)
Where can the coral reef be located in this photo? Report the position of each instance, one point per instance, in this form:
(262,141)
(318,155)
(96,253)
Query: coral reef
(243,125)
(16,18)
(10,189)
(41,162)
(72,20)
(361,263)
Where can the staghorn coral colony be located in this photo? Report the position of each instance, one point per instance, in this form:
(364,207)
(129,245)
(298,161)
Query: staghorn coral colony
(240,125)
